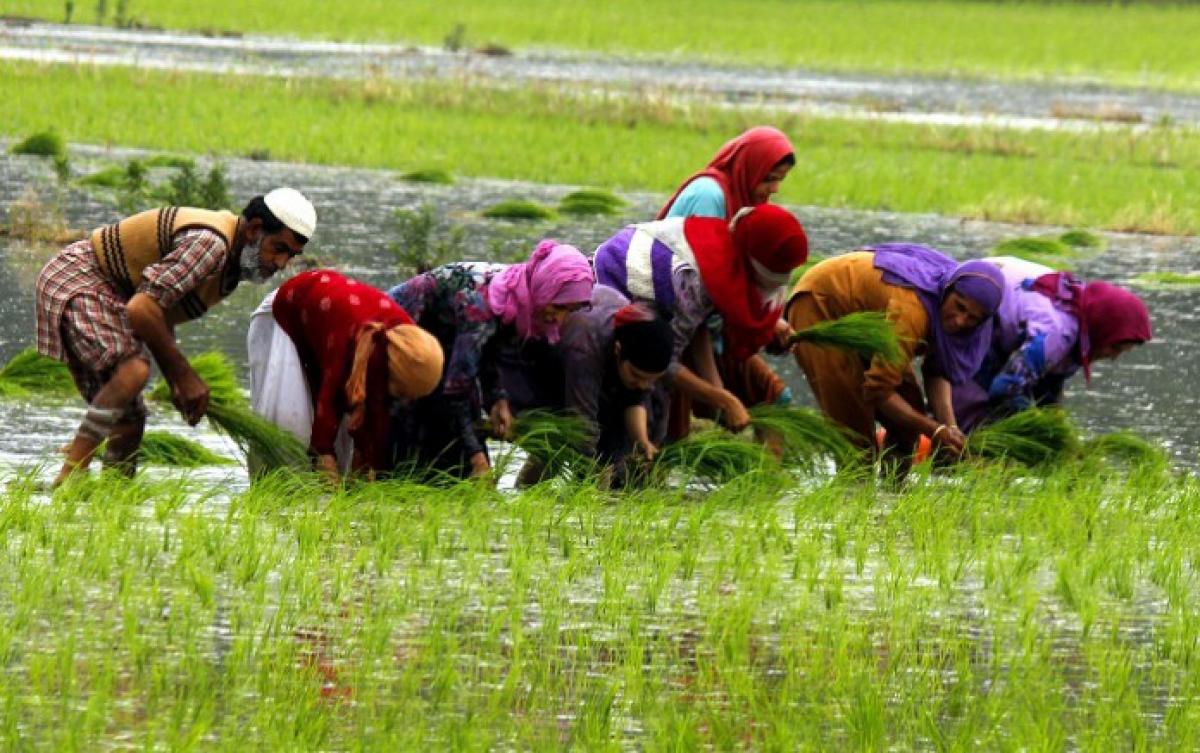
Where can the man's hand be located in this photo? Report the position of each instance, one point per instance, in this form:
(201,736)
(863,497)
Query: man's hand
(502,420)
(189,393)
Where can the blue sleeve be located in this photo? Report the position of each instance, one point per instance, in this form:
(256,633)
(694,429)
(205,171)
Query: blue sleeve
(703,197)
(1015,382)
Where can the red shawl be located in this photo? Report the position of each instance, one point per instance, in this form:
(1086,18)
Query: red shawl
(740,166)
(323,311)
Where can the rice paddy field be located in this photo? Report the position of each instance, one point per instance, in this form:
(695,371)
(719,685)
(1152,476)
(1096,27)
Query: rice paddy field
(1047,601)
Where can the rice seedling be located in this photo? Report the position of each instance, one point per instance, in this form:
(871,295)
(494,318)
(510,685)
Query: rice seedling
(867,333)
(1049,251)
(713,457)
(429,175)
(1033,437)
(518,209)
(1167,279)
(177,161)
(590,201)
(41,144)
(806,435)
(31,373)
(165,448)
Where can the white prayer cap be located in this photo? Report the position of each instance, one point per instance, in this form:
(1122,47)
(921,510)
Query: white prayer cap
(291,208)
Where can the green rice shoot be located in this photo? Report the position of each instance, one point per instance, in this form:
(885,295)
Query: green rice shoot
(807,436)
(1127,448)
(176,161)
(110,177)
(518,209)
(1083,239)
(554,438)
(867,333)
(30,372)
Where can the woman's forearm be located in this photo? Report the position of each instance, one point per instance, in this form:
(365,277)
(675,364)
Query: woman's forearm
(941,400)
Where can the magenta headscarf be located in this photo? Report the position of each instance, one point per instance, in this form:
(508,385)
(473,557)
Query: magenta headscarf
(555,274)
(1107,314)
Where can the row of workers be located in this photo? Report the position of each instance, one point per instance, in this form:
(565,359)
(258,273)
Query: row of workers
(667,320)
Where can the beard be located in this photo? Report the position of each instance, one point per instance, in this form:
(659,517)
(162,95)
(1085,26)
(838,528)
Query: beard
(250,264)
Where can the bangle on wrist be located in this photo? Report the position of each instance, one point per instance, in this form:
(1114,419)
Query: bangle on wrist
(938,430)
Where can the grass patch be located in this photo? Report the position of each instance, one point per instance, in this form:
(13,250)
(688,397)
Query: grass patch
(1135,43)
(167,449)
(590,201)
(429,175)
(1148,180)
(518,209)
(41,144)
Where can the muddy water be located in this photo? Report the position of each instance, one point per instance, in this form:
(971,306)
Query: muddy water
(912,99)
(1150,390)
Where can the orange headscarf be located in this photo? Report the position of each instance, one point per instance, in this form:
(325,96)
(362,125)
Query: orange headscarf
(414,365)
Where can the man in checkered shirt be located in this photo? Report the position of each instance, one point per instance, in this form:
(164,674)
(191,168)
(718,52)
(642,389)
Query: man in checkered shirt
(109,302)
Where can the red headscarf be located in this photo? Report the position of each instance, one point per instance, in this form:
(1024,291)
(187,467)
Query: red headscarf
(768,235)
(740,166)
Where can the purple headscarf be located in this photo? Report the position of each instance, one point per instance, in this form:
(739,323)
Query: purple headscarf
(555,274)
(933,275)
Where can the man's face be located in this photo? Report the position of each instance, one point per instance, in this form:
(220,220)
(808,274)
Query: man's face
(275,250)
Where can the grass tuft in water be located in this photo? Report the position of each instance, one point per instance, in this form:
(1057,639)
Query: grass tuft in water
(867,333)
(110,177)
(806,435)
(177,161)
(1032,437)
(590,201)
(518,209)
(1128,448)
(1083,239)
(30,372)
(42,144)
(434,175)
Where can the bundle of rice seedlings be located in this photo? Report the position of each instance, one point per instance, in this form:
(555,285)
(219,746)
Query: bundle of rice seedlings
(164,448)
(1083,239)
(590,201)
(1128,448)
(806,434)
(269,445)
(518,209)
(1031,437)
(867,333)
(110,177)
(1049,251)
(429,175)
(553,438)
(42,144)
(29,372)
(712,456)
(229,412)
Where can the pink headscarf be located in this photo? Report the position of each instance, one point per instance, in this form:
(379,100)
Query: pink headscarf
(555,274)
(1108,314)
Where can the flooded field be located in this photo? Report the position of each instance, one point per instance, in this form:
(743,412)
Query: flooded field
(1052,105)
(981,609)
